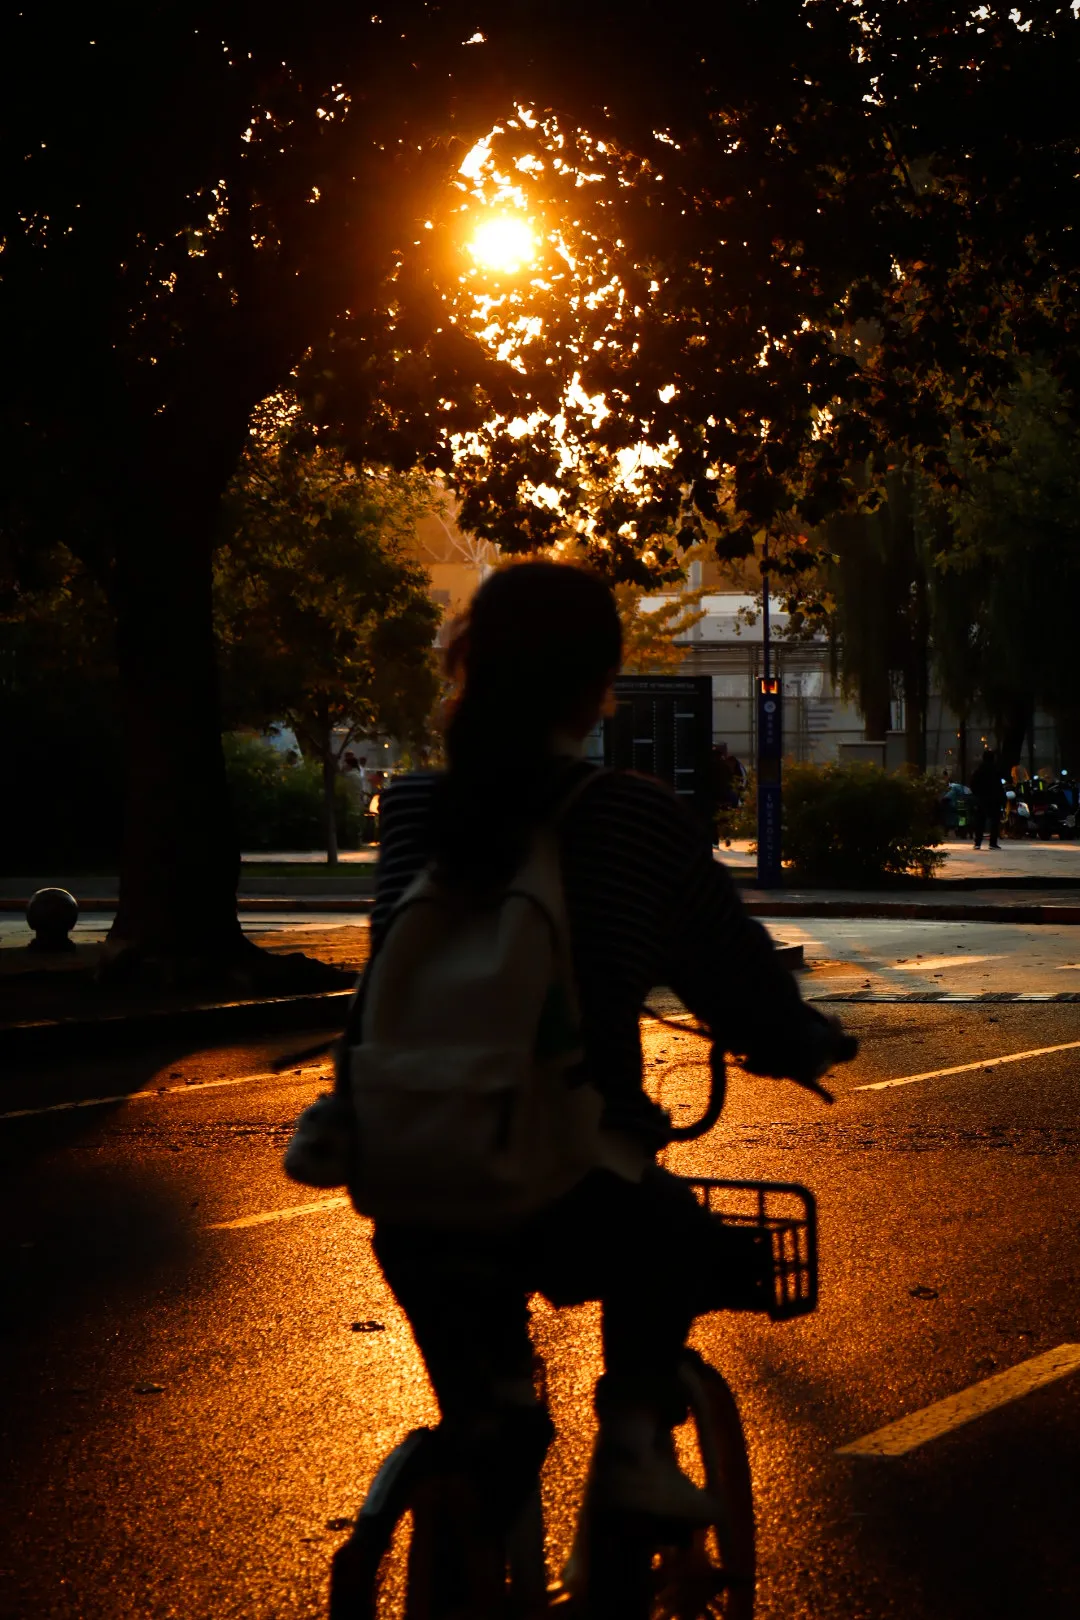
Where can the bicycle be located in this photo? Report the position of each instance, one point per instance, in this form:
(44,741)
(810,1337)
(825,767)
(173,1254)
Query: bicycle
(416,1508)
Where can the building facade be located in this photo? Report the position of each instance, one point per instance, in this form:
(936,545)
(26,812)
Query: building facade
(820,723)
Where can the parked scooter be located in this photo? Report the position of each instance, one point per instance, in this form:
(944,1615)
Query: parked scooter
(955,809)
(1016,822)
(1054,808)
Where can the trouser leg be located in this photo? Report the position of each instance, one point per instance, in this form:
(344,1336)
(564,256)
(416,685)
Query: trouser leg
(636,1246)
(647,1309)
(469,1316)
(978,823)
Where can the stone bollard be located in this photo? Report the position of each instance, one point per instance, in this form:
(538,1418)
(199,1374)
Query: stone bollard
(52,914)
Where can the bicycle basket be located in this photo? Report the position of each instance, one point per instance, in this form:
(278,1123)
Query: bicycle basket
(767,1254)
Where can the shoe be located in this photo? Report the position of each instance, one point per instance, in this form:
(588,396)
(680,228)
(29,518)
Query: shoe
(635,1471)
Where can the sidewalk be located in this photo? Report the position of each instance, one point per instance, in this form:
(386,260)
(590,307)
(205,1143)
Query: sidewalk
(1022,863)
(1028,883)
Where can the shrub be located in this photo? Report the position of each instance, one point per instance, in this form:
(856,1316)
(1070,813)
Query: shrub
(62,800)
(278,805)
(851,824)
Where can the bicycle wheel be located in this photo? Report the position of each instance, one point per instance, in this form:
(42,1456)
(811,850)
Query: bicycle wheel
(419,1550)
(711,1577)
(369,1572)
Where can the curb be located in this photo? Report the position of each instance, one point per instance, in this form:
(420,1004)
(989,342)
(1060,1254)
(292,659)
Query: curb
(930,911)
(112,1032)
(923,997)
(220,1022)
(245,902)
(747,879)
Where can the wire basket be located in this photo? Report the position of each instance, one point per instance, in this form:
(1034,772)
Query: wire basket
(767,1253)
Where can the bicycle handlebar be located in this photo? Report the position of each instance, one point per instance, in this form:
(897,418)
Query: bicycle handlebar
(715,1107)
(833,1045)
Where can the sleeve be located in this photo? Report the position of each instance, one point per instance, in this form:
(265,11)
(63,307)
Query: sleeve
(724,968)
(403,846)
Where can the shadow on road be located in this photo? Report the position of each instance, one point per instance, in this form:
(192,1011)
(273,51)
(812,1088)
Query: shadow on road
(983,1523)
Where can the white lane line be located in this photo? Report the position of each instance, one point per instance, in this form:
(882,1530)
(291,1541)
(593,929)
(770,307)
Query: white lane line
(289,1212)
(158,1091)
(895,1439)
(968,1068)
(932,962)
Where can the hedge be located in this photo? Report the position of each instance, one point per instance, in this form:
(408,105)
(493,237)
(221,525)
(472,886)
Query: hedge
(855,824)
(278,805)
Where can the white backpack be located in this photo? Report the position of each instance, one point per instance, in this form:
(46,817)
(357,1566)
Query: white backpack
(470,1105)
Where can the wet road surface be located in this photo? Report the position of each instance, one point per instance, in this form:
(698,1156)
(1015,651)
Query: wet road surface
(194,1400)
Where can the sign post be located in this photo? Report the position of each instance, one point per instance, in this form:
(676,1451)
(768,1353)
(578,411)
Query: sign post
(769,754)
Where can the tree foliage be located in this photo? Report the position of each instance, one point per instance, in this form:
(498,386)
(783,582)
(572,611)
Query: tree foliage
(823,254)
(279,804)
(816,231)
(880,617)
(969,573)
(653,641)
(60,811)
(324,619)
(1007,564)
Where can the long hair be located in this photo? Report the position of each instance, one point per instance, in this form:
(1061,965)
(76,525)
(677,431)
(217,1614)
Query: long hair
(539,642)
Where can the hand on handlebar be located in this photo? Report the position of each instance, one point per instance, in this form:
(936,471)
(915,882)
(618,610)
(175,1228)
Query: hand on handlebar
(821,1044)
(828,1045)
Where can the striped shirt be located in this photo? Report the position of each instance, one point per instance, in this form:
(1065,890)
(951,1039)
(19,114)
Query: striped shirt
(648,905)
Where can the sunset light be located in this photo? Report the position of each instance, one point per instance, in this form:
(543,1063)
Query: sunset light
(503,242)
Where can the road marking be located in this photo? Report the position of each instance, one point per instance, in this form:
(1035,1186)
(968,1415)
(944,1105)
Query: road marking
(896,1439)
(932,998)
(967,1068)
(158,1091)
(289,1213)
(917,966)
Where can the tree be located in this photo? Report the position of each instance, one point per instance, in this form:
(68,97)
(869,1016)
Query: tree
(60,809)
(652,637)
(192,197)
(880,620)
(202,201)
(1007,565)
(965,569)
(323,618)
(824,245)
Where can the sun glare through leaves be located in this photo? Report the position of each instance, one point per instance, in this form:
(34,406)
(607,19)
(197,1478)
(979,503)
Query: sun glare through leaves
(503,243)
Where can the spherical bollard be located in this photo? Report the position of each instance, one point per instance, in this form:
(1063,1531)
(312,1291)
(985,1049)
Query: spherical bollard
(52,913)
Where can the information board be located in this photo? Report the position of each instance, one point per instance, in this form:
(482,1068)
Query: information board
(662,726)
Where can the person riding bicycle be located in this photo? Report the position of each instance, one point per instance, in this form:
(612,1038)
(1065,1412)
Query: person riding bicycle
(647,905)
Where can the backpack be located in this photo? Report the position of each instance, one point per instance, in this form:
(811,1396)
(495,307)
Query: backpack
(470,1102)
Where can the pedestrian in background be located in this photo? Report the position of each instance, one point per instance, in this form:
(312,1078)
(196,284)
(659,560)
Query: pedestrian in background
(989,795)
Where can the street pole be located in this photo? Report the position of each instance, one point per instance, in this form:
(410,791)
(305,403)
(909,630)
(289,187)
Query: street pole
(769,750)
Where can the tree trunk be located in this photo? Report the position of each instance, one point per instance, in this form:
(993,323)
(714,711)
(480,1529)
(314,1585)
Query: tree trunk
(917,673)
(962,749)
(329,777)
(1067,722)
(1016,717)
(875,700)
(180,862)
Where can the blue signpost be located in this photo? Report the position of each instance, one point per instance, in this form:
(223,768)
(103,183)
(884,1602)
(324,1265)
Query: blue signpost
(770,751)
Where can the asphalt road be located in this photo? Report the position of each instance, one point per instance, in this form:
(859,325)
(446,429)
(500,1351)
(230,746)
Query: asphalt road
(189,1413)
